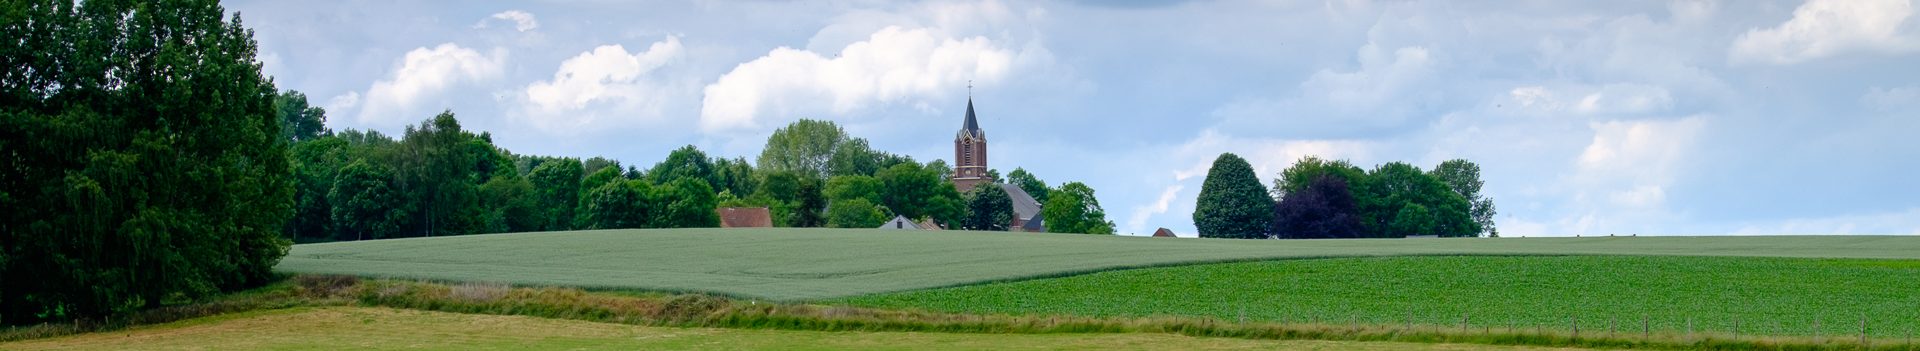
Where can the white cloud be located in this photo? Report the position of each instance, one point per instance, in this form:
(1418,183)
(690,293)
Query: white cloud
(522,21)
(423,74)
(1632,162)
(1905,222)
(1626,99)
(1138,221)
(343,102)
(1822,28)
(892,65)
(606,76)
(1385,91)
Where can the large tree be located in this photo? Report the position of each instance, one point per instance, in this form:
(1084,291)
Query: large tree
(1232,203)
(366,205)
(299,122)
(145,162)
(315,165)
(804,146)
(916,192)
(1322,209)
(988,208)
(557,192)
(685,162)
(1464,178)
(1073,209)
(1396,185)
(855,213)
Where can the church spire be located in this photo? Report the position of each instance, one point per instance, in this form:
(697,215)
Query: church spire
(972,125)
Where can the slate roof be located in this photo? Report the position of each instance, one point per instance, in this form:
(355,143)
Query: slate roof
(1036,225)
(1023,204)
(900,222)
(972,126)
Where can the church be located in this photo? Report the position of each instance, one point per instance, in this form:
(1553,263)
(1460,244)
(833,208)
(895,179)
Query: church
(970,171)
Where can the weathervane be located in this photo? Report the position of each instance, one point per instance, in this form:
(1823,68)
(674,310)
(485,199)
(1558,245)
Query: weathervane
(969,89)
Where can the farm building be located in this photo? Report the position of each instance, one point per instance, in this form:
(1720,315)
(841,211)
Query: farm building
(1164,233)
(745,217)
(900,222)
(1026,211)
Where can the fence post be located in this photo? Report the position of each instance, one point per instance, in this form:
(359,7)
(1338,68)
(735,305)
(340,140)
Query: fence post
(1863,332)
(1463,322)
(1689,327)
(1576,326)
(1736,329)
(1646,329)
(1816,329)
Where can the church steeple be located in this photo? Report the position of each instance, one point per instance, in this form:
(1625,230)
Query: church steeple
(970,153)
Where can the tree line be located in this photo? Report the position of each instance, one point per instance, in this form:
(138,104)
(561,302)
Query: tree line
(1318,198)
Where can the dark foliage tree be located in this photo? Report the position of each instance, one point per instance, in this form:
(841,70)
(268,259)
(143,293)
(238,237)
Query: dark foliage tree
(299,122)
(1232,203)
(145,163)
(366,205)
(556,193)
(1073,209)
(315,165)
(734,176)
(1322,209)
(511,205)
(618,204)
(988,208)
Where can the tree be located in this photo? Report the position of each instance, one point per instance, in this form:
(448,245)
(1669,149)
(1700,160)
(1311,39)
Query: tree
(688,203)
(736,176)
(1232,203)
(557,192)
(686,162)
(144,157)
(511,205)
(619,204)
(917,192)
(855,213)
(1028,182)
(1323,209)
(366,204)
(315,165)
(299,122)
(993,176)
(1309,169)
(988,208)
(1413,219)
(1073,209)
(940,167)
(796,199)
(1464,178)
(803,146)
(855,187)
(1395,185)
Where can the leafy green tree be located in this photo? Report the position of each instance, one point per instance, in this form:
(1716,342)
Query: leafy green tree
(940,167)
(595,164)
(299,122)
(1232,203)
(736,176)
(688,203)
(511,205)
(1464,178)
(854,157)
(988,208)
(993,175)
(797,201)
(1395,185)
(616,205)
(849,187)
(315,165)
(686,162)
(1413,219)
(1073,209)
(855,213)
(1309,169)
(366,205)
(556,192)
(144,158)
(916,192)
(805,146)
(1028,182)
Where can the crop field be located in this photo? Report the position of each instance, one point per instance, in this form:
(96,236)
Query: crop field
(365,328)
(804,264)
(1603,294)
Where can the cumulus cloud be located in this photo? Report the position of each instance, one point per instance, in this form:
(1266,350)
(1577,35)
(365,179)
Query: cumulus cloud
(423,74)
(599,82)
(1822,28)
(1632,162)
(892,65)
(522,21)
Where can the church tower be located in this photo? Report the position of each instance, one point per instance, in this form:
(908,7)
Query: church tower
(970,154)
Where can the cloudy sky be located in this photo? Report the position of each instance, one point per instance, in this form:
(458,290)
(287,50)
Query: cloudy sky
(1622,117)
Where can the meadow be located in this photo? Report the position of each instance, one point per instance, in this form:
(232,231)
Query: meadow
(371,328)
(797,264)
(1618,295)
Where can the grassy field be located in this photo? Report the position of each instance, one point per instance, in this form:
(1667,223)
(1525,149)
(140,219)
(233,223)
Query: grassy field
(1770,296)
(802,264)
(366,328)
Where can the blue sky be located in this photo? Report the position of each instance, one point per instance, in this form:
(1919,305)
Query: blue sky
(1591,118)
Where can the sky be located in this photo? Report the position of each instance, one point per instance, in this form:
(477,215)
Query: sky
(1750,117)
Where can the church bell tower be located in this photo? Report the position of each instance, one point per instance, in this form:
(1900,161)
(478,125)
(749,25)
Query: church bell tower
(970,154)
